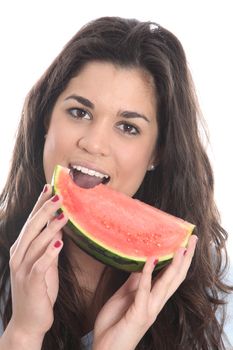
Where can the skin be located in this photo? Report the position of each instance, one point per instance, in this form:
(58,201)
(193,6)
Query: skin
(98,140)
(101,137)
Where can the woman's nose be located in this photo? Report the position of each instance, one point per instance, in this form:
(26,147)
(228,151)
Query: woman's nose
(95,140)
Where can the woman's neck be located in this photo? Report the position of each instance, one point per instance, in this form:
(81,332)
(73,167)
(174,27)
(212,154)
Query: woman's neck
(87,270)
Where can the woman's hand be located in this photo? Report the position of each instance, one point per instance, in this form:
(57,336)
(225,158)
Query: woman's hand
(33,266)
(128,314)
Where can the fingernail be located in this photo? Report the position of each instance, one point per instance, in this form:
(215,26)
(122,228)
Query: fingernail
(57,244)
(45,189)
(55,198)
(156,262)
(60,216)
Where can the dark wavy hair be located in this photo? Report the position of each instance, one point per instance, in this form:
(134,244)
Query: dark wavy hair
(182,184)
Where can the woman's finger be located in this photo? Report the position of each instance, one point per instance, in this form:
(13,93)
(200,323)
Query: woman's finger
(33,228)
(40,267)
(142,296)
(181,265)
(189,253)
(39,245)
(44,196)
(169,280)
(130,285)
(144,287)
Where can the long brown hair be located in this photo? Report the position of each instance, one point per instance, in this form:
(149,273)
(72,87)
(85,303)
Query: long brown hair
(182,183)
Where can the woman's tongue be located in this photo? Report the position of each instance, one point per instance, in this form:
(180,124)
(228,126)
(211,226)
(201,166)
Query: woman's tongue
(85,180)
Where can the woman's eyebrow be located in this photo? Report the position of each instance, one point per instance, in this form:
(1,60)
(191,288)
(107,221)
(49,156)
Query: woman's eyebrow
(125,114)
(132,114)
(84,101)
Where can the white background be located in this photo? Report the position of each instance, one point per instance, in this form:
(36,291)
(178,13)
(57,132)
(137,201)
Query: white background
(33,32)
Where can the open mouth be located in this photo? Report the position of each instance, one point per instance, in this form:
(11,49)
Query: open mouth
(87,178)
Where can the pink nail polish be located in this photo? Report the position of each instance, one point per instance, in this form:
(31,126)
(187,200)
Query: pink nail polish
(60,216)
(57,244)
(55,198)
(156,262)
(45,189)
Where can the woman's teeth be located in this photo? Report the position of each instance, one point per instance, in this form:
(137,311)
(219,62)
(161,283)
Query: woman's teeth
(90,172)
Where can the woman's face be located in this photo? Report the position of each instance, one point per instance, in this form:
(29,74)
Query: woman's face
(105,120)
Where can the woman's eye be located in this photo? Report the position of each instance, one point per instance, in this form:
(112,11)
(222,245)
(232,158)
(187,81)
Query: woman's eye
(79,113)
(128,129)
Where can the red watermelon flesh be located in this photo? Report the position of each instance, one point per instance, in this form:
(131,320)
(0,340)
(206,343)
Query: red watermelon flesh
(117,224)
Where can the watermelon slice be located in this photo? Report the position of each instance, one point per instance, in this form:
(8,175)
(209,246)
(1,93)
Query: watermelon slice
(116,229)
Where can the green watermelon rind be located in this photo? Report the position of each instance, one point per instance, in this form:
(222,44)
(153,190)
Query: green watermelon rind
(106,254)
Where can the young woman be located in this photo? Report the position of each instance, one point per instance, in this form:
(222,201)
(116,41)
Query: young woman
(118,100)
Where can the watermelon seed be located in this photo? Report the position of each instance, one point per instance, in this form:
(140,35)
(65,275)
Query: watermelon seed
(106,224)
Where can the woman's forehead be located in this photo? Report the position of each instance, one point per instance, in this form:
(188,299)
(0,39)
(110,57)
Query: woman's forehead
(98,79)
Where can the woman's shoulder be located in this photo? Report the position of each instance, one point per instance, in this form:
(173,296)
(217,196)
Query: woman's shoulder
(87,341)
